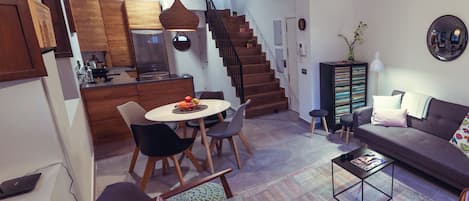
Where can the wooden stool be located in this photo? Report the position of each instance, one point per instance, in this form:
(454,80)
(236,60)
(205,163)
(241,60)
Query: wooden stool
(318,114)
(347,123)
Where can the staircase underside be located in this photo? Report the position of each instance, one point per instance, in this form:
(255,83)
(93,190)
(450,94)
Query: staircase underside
(260,84)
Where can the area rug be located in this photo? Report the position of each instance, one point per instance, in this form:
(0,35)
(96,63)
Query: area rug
(314,183)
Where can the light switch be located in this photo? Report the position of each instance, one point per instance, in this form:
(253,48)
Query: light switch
(304,71)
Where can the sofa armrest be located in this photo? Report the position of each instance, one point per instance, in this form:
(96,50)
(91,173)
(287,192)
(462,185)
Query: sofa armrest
(362,116)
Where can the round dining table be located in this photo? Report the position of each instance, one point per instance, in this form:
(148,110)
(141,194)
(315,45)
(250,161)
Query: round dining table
(209,107)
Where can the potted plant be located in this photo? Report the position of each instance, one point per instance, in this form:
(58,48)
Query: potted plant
(357,39)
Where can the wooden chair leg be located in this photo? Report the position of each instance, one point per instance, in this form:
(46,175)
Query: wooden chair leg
(134,159)
(347,135)
(165,166)
(235,149)
(213,143)
(184,128)
(148,172)
(342,131)
(219,147)
(313,125)
(245,142)
(324,124)
(191,157)
(194,132)
(178,169)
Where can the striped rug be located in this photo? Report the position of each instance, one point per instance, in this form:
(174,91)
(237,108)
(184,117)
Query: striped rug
(314,183)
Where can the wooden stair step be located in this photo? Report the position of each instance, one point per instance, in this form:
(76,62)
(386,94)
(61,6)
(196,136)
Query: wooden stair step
(242,51)
(266,108)
(251,68)
(251,89)
(245,60)
(241,35)
(266,97)
(259,77)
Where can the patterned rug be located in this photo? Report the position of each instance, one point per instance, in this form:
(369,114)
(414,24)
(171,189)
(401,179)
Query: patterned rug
(314,183)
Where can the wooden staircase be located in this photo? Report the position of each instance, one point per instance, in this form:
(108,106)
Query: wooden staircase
(260,84)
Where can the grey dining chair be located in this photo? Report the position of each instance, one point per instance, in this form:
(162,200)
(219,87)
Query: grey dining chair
(229,129)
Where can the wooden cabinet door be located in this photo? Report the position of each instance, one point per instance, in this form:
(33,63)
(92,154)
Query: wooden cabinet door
(20,55)
(89,25)
(116,32)
(62,39)
(143,14)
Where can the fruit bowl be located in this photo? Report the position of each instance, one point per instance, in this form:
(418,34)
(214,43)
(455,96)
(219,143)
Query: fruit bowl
(188,104)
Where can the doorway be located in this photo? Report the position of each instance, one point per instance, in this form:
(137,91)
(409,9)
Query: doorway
(292,64)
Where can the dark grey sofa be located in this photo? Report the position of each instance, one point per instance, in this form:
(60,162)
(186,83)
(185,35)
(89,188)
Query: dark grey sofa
(424,145)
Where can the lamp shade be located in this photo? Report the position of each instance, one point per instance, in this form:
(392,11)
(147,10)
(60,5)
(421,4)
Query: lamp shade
(377,65)
(178,18)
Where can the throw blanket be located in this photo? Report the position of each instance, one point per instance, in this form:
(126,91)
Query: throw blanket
(416,104)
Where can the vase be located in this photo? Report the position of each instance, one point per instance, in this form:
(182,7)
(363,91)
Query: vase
(351,55)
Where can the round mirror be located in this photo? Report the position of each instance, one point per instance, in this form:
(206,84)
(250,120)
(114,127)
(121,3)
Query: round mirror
(181,42)
(447,38)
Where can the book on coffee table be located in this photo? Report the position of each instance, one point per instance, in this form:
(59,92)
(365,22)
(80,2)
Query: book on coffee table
(368,161)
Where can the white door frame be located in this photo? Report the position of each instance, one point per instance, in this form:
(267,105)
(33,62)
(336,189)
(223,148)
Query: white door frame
(292,63)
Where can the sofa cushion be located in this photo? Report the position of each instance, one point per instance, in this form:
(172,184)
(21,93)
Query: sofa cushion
(421,149)
(206,192)
(461,137)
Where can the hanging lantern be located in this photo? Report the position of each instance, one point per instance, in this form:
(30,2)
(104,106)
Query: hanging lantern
(178,18)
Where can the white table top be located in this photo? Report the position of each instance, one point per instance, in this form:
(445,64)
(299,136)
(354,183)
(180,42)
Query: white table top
(165,113)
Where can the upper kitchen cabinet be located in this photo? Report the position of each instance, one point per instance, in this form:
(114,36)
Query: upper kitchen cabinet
(116,32)
(20,53)
(42,24)
(89,25)
(143,14)
(62,39)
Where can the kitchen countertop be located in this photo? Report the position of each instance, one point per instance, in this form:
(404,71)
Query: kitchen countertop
(125,79)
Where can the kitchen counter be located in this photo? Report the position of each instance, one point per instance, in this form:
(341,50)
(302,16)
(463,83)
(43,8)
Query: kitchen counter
(101,100)
(125,79)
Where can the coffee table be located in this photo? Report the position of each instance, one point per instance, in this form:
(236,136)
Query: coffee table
(360,173)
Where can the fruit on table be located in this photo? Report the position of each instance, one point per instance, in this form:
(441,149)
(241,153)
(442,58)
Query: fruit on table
(188,99)
(195,101)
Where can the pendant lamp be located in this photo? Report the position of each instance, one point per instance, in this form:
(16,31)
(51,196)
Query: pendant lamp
(178,18)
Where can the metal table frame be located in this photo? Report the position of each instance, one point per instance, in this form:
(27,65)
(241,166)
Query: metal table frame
(362,181)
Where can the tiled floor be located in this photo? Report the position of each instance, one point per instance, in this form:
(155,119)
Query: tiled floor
(282,145)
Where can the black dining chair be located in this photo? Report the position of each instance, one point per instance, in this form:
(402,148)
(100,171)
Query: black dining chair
(229,129)
(134,114)
(210,120)
(159,142)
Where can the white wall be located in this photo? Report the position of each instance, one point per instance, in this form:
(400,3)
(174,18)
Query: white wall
(398,30)
(29,139)
(73,132)
(189,4)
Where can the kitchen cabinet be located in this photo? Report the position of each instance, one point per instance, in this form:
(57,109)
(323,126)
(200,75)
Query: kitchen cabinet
(42,24)
(106,122)
(143,14)
(20,52)
(89,25)
(116,32)
(62,39)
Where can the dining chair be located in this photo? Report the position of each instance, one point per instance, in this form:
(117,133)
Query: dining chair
(159,142)
(210,120)
(133,113)
(464,195)
(229,129)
